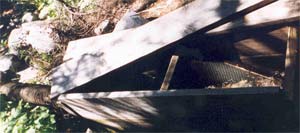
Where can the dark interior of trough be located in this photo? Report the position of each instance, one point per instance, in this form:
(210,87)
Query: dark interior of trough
(253,54)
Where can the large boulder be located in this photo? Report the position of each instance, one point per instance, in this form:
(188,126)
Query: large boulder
(38,34)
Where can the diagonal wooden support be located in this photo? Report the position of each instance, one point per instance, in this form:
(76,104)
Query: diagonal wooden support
(169,73)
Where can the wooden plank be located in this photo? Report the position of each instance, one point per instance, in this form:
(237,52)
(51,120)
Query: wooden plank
(265,26)
(235,16)
(188,23)
(112,51)
(120,110)
(185,92)
(291,62)
(169,73)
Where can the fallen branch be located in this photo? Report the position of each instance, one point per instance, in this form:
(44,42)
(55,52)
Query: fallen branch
(32,93)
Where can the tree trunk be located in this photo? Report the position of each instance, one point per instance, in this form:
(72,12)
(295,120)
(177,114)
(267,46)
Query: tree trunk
(32,93)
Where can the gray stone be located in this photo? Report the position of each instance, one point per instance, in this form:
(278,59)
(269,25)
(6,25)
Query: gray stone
(130,20)
(102,27)
(38,34)
(15,40)
(44,13)
(29,17)
(9,62)
(28,74)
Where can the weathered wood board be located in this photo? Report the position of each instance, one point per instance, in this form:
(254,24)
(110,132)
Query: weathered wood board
(188,20)
(148,109)
(89,58)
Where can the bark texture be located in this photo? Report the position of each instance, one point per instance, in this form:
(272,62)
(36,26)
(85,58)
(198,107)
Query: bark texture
(32,93)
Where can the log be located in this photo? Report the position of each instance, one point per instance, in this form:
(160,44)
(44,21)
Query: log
(32,93)
(89,58)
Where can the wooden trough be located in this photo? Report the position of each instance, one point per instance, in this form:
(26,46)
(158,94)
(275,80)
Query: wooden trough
(127,100)
(168,89)
(177,110)
(112,51)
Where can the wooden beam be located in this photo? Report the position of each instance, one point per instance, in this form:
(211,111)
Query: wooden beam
(291,64)
(169,73)
(272,25)
(31,93)
(236,16)
(121,110)
(169,93)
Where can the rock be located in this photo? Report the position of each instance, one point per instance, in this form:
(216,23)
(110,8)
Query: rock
(38,34)
(130,20)
(44,13)
(9,62)
(15,40)
(29,17)
(102,27)
(28,74)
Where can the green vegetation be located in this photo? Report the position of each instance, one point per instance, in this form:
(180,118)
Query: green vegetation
(71,19)
(48,7)
(3,43)
(19,117)
(39,60)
